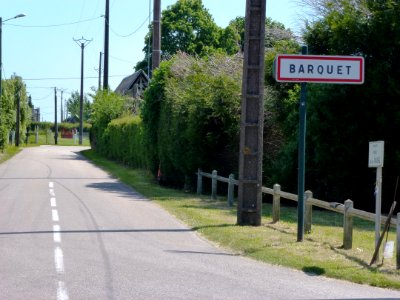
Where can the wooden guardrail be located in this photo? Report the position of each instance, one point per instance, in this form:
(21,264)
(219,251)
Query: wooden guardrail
(347,209)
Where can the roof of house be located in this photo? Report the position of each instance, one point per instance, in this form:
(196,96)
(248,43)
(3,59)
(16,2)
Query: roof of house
(128,82)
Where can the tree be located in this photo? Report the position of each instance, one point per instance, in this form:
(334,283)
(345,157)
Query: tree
(73,107)
(106,106)
(187,26)
(12,89)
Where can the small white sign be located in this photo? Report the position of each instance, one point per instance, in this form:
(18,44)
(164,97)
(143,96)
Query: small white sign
(376,151)
(319,68)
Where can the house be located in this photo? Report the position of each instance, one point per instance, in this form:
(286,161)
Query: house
(133,85)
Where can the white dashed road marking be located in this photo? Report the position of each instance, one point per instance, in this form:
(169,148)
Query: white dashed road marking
(54,214)
(56,234)
(62,293)
(59,260)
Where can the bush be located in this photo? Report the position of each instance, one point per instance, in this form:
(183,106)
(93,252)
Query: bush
(125,141)
(106,107)
(197,116)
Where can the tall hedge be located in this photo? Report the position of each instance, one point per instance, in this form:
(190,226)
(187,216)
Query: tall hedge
(197,116)
(107,106)
(125,141)
(12,89)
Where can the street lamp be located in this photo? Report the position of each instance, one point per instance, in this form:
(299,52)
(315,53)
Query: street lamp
(1,61)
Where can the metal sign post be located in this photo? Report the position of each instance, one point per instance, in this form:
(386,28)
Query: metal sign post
(375,160)
(318,69)
(302,155)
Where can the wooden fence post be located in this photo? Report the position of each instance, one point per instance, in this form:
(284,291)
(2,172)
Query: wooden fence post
(276,204)
(199,182)
(214,185)
(231,189)
(348,225)
(308,212)
(398,242)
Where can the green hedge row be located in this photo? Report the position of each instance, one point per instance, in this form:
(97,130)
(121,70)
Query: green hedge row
(44,126)
(124,137)
(191,117)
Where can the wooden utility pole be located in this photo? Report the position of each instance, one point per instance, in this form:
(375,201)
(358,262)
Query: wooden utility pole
(156,34)
(17,121)
(106,43)
(252,117)
(55,118)
(61,107)
(100,60)
(82,43)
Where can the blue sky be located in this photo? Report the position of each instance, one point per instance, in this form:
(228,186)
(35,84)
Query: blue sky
(41,49)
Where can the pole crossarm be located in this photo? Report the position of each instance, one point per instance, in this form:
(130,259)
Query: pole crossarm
(82,41)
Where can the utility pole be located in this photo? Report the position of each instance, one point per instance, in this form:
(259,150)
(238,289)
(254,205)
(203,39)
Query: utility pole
(82,43)
(100,60)
(55,118)
(17,121)
(1,61)
(106,43)
(61,106)
(156,34)
(252,117)
(149,44)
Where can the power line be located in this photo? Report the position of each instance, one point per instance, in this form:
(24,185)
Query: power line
(67,78)
(54,25)
(43,98)
(132,33)
(123,60)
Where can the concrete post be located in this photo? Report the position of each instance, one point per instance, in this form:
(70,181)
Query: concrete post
(348,225)
(276,204)
(199,182)
(398,242)
(308,212)
(214,185)
(231,189)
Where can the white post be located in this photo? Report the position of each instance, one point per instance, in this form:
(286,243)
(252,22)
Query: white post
(375,160)
(398,242)
(378,205)
(37,135)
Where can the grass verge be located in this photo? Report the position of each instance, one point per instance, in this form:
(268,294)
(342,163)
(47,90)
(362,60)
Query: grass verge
(48,139)
(320,254)
(8,152)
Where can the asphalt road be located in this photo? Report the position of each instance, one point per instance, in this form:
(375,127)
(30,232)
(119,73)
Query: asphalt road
(70,231)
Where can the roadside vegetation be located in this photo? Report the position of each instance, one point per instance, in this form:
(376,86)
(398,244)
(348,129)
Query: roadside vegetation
(320,254)
(188,118)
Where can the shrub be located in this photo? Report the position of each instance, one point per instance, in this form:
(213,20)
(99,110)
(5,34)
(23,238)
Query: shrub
(125,141)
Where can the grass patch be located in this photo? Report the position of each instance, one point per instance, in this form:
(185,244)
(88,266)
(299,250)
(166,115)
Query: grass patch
(320,254)
(8,152)
(48,139)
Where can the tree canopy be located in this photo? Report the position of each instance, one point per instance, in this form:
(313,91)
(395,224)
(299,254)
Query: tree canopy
(73,107)
(12,89)
(187,26)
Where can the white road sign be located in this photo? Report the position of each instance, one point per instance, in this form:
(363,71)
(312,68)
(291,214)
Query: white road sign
(319,68)
(376,151)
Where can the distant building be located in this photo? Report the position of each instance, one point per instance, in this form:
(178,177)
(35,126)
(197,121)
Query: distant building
(36,115)
(133,85)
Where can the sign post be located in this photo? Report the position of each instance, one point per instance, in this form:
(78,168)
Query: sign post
(302,154)
(318,69)
(375,160)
